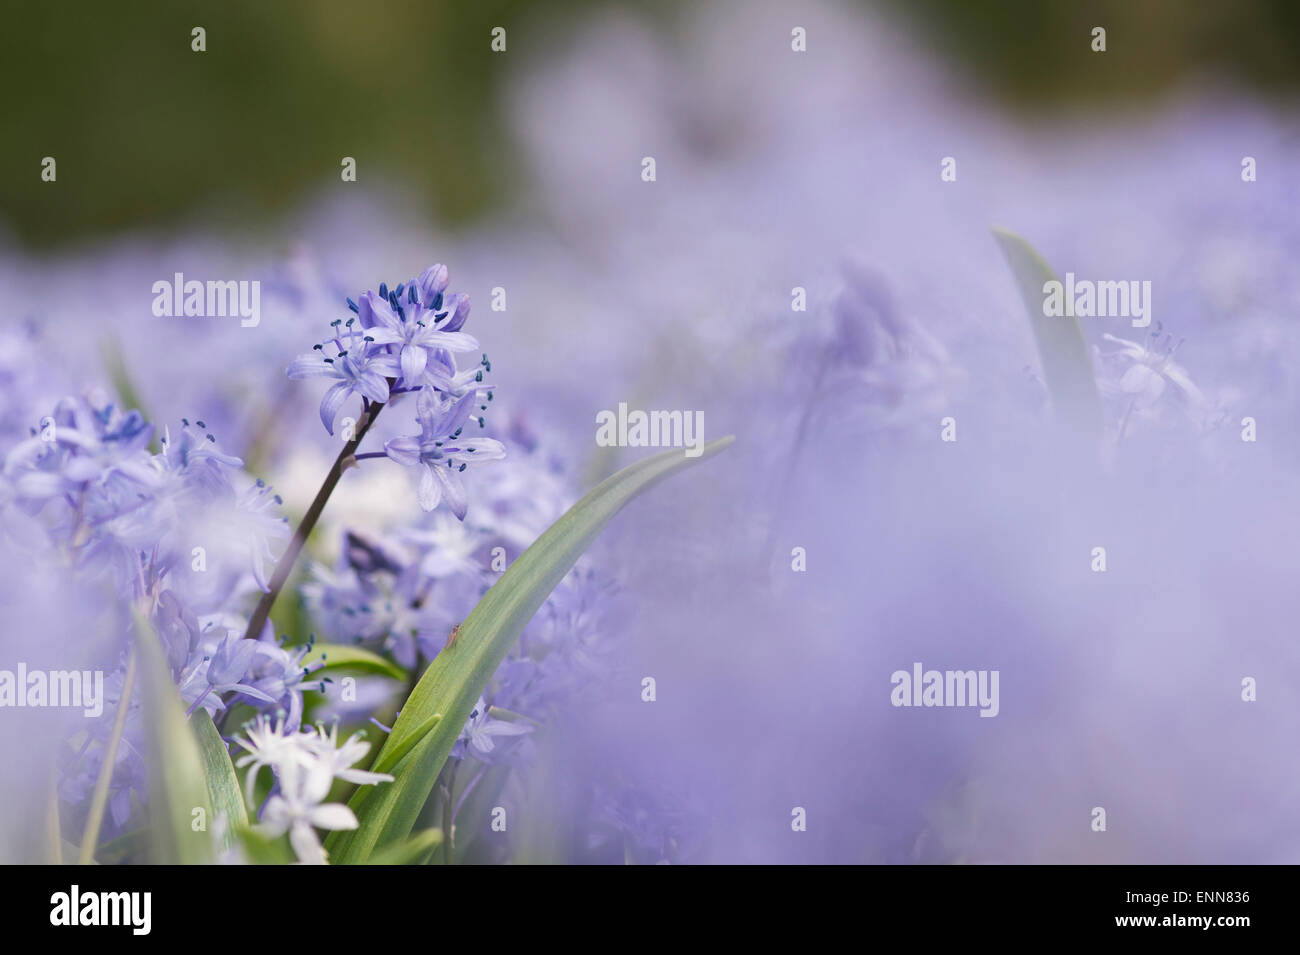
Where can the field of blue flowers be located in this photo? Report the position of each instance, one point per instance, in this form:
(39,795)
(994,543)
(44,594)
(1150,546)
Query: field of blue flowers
(359,584)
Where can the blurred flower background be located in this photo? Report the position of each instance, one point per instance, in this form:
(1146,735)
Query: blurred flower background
(775,170)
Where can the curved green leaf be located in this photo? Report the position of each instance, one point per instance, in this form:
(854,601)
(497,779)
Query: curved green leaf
(176,786)
(1062,351)
(219,771)
(419,745)
(410,851)
(340,656)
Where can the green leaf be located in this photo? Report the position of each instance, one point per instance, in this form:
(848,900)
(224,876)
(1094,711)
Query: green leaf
(219,771)
(340,656)
(415,750)
(1062,351)
(126,848)
(260,849)
(176,786)
(390,756)
(412,850)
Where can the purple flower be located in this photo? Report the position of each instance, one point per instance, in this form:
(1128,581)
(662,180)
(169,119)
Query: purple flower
(432,283)
(224,672)
(86,445)
(481,732)
(413,328)
(358,367)
(194,457)
(442,452)
(177,629)
(278,676)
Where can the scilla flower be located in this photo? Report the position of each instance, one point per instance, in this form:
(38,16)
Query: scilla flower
(358,366)
(412,326)
(479,737)
(299,808)
(441,451)
(305,764)
(1140,374)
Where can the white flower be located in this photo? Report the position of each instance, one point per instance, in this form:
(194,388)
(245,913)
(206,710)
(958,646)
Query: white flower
(267,745)
(339,759)
(305,763)
(1142,374)
(299,808)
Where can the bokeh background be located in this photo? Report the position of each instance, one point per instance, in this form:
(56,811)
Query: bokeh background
(152,135)
(775,170)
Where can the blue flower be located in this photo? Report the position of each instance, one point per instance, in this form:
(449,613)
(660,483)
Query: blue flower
(413,328)
(278,675)
(441,451)
(358,366)
(224,672)
(87,445)
(481,732)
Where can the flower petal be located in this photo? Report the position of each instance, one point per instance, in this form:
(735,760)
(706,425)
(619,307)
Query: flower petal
(458,305)
(482,449)
(403,450)
(384,336)
(452,341)
(333,815)
(453,490)
(414,359)
(374,312)
(305,845)
(373,385)
(432,281)
(310,365)
(430,488)
(330,404)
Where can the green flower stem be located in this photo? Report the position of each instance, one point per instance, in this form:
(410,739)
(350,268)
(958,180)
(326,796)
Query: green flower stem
(449,814)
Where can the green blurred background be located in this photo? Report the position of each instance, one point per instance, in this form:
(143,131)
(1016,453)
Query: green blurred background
(148,133)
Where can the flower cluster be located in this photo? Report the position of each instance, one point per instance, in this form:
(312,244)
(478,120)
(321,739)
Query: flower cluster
(402,595)
(305,764)
(181,531)
(402,341)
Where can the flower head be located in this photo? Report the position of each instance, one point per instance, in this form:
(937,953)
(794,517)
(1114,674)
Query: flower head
(413,328)
(442,453)
(479,737)
(305,764)
(356,365)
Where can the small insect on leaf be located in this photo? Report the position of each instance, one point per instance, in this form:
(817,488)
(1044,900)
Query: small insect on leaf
(451,637)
